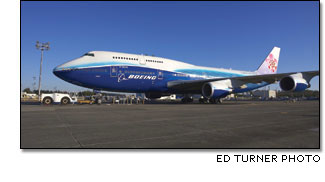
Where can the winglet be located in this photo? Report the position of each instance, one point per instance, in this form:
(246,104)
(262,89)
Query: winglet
(270,64)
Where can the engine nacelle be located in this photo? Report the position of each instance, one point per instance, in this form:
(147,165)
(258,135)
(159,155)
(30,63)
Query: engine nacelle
(294,82)
(217,89)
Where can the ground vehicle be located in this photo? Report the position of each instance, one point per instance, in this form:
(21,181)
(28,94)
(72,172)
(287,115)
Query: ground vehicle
(57,98)
(87,100)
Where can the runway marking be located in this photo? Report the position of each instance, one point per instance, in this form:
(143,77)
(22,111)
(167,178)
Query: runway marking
(67,127)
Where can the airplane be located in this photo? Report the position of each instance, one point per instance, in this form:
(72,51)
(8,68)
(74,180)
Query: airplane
(158,77)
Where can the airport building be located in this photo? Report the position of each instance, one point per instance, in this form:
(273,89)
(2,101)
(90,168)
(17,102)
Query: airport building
(264,94)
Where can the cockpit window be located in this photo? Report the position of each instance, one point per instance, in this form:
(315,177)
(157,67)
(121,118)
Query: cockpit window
(89,54)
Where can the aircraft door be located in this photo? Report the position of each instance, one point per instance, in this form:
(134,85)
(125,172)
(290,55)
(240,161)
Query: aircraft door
(160,74)
(142,60)
(114,71)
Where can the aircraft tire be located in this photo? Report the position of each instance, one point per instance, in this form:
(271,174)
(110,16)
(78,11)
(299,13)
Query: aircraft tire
(201,101)
(212,101)
(187,100)
(219,101)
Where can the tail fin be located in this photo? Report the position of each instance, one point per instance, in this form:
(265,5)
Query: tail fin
(270,64)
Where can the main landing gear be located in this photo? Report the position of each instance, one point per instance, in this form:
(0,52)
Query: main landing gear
(187,99)
(204,100)
(215,101)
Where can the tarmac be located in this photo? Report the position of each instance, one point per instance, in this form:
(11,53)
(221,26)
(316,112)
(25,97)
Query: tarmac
(233,124)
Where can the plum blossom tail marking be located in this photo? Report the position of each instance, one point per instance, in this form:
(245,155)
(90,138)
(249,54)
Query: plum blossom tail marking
(270,64)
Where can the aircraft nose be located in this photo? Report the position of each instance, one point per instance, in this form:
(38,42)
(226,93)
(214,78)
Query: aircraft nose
(72,64)
(62,70)
(56,71)
(59,72)
(66,74)
(59,68)
(69,71)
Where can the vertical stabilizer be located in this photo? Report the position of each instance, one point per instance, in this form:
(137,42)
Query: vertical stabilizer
(270,64)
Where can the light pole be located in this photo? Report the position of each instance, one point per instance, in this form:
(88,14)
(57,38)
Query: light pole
(42,47)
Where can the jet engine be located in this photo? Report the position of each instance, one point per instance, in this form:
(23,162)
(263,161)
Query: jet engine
(217,89)
(294,82)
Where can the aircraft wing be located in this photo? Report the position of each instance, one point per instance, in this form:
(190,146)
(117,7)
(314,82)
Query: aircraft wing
(196,85)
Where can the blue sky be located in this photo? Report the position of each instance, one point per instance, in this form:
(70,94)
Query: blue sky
(236,35)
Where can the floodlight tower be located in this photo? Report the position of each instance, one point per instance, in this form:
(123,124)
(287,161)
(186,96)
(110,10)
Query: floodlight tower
(42,47)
